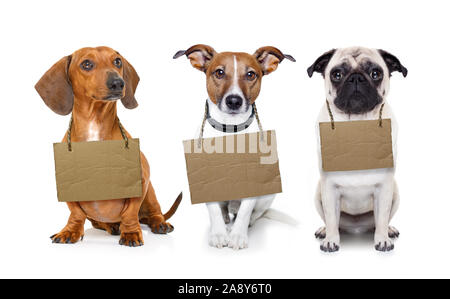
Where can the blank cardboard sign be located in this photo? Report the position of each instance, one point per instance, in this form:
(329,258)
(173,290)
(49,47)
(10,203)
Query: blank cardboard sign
(98,170)
(356,145)
(232,167)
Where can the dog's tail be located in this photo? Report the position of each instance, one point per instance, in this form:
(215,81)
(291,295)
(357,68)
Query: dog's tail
(174,207)
(280,217)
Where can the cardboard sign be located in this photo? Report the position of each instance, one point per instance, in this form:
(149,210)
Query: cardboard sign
(232,167)
(98,170)
(356,145)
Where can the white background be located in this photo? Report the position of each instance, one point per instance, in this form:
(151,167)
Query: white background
(171,94)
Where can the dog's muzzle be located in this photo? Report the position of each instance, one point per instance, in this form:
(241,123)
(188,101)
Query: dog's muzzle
(115,85)
(357,95)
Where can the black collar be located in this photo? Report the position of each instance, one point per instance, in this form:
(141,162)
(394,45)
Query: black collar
(229,128)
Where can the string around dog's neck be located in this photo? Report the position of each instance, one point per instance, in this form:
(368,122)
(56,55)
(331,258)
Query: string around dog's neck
(330,113)
(69,133)
(229,128)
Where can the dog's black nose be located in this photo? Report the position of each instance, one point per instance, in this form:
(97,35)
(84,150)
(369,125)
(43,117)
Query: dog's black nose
(234,102)
(356,78)
(115,83)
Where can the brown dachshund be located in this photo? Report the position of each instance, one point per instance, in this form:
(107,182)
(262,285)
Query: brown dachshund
(88,83)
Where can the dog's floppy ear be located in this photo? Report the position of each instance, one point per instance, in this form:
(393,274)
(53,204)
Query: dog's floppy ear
(55,89)
(199,55)
(269,58)
(131,79)
(393,63)
(321,63)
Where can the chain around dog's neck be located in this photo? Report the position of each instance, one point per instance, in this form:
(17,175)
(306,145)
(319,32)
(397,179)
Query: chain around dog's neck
(380,116)
(228,128)
(69,133)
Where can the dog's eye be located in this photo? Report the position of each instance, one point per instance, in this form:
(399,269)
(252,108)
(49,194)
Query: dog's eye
(376,75)
(118,62)
(87,65)
(219,73)
(336,76)
(250,76)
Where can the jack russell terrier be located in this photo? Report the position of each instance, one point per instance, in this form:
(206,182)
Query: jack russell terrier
(233,82)
(356,87)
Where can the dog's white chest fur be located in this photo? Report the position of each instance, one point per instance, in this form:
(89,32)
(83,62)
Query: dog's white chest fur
(93,132)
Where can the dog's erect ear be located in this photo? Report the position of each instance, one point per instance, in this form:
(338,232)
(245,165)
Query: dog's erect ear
(269,58)
(321,63)
(131,79)
(55,89)
(393,63)
(199,55)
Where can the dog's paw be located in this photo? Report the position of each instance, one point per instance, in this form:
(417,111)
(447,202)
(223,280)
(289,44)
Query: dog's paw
(330,244)
(162,228)
(238,241)
(133,239)
(158,225)
(393,232)
(383,243)
(321,233)
(218,239)
(67,237)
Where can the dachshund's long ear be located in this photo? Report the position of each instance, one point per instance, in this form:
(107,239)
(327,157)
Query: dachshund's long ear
(131,79)
(269,58)
(393,63)
(55,89)
(321,63)
(199,55)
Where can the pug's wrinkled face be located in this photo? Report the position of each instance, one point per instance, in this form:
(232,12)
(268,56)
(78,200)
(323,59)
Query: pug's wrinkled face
(356,79)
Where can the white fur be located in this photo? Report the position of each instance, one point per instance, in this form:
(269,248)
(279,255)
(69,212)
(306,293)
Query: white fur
(93,132)
(356,192)
(234,89)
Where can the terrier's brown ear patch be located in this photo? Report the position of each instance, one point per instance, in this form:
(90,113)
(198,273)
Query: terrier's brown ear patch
(269,58)
(199,55)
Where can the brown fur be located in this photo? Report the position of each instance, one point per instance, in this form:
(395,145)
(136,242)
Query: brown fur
(245,62)
(67,88)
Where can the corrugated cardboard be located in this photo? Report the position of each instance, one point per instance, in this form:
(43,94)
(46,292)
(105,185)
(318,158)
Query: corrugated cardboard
(98,170)
(356,145)
(232,167)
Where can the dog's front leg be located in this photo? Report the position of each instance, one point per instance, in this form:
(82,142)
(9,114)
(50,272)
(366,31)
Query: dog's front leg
(74,230)
(218,236)
(130,229)
(239,232)
(382,211)
(332,212)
